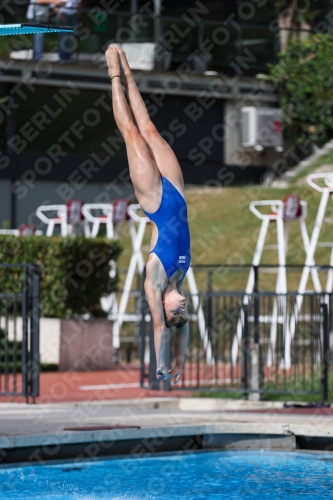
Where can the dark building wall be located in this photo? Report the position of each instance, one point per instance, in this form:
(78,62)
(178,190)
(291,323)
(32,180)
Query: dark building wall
(54,131)
(52,193)
(60,143)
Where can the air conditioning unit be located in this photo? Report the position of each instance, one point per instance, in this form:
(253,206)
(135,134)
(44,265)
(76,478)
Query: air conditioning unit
(261,128)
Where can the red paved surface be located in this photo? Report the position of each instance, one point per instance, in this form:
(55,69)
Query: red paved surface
(60,387)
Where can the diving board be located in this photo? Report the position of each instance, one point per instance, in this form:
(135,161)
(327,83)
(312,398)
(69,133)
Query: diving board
(31,29)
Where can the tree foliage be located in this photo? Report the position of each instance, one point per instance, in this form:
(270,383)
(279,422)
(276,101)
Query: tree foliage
(304,81)
(293,18)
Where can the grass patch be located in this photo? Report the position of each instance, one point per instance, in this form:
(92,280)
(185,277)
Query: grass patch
(217,394)
(290,391)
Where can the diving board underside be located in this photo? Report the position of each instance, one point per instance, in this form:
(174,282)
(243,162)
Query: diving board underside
(31,29)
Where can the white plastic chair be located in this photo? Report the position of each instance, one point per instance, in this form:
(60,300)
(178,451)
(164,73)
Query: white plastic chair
(97,220)
(59,220)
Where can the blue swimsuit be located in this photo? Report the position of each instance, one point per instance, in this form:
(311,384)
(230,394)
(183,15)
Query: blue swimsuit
(173,243)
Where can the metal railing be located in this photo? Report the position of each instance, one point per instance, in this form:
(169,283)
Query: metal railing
(248,347)
(231,277)
(19,330)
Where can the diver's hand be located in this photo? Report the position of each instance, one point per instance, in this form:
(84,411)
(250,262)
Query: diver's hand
(176,372)
(164,374)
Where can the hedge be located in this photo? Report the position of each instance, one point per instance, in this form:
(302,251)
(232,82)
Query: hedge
(74,271)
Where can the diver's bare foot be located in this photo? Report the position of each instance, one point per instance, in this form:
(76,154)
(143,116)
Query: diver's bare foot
(124,63)
(112,59)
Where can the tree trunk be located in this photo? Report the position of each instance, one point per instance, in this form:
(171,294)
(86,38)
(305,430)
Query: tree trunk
(287,21)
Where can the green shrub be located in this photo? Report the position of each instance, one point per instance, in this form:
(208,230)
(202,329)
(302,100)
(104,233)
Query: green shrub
(305,85)
(74,271)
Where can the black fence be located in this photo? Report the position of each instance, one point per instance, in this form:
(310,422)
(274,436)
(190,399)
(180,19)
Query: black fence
(234,277)
(19,330)
(262,343)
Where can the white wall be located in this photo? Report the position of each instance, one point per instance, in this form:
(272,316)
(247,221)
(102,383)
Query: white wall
(49,341)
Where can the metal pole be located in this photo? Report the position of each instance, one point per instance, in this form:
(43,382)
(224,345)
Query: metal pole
(13,206)
(35,309)
(326,350)
(166,383)
(256,305)
(154,384)
(143,332)
(158,30)
(255,349)
(25,299)
(209,304)
(10,131)
(134,10)
(134,6)
(245,349)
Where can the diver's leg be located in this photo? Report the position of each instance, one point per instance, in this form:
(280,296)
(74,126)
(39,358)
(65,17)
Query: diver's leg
(143,170)
(159,148)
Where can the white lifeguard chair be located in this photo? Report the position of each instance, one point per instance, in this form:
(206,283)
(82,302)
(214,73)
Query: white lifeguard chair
(312,244)
(291,209)
(326,191)
(275,215)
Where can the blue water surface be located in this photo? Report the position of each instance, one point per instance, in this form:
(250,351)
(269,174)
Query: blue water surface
(212,475)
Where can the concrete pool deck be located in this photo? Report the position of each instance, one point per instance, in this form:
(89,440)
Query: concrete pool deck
(36,433)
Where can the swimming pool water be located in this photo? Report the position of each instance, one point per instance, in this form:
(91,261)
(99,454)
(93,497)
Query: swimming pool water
(213,475)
